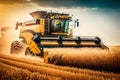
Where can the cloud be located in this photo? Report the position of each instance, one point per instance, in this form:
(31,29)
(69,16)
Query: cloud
(69,3)
(13,1)
(79,3)
(85,5)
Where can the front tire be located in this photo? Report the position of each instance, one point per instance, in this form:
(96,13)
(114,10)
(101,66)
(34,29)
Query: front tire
(16,47)
(28,52)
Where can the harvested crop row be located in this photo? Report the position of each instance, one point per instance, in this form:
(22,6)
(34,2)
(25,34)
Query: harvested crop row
(14,73)
(73,70)
(53,72)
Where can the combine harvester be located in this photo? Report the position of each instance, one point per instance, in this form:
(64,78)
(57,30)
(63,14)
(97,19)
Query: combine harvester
(50,30)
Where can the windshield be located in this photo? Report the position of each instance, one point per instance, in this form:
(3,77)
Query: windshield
(60,25)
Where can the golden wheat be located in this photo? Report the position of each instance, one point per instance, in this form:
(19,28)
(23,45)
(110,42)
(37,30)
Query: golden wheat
(8,72)
(47,71)
(97,59)
(60,73)
(12,66)
(74,70)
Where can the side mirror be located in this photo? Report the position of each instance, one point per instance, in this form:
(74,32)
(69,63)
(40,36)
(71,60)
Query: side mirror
(77,24)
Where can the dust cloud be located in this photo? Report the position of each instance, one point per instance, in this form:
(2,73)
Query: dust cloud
(7,36)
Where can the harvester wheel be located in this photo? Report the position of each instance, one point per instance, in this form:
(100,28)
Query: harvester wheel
(16,47)
(28,51)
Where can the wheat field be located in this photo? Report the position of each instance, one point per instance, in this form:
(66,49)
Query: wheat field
(15,67)
(92,58)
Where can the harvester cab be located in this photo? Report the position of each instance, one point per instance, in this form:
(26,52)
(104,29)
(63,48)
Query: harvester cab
(51,30)
(54,23)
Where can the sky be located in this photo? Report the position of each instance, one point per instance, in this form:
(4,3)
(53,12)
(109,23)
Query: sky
(97,17)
